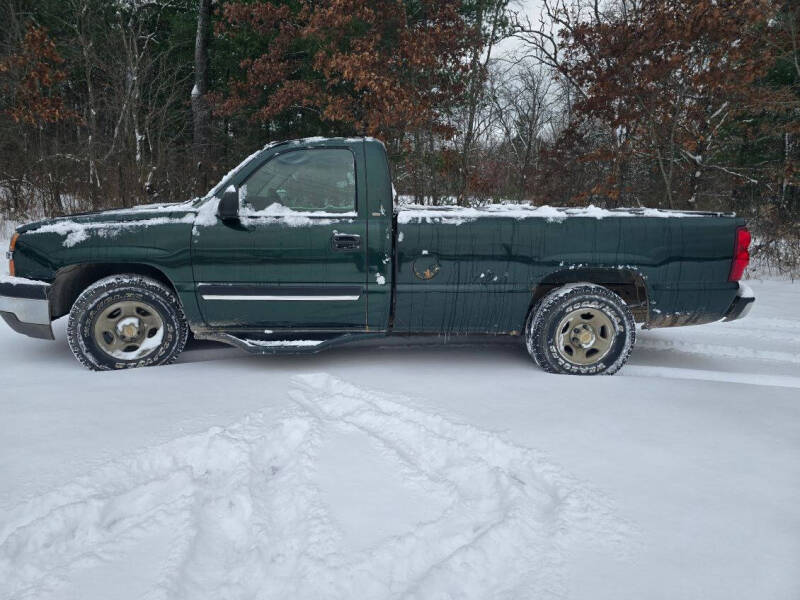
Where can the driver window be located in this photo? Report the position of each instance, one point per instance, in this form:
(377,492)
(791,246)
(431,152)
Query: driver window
(319,179)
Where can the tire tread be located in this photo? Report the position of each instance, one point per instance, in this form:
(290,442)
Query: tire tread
(103,288)
(536,327)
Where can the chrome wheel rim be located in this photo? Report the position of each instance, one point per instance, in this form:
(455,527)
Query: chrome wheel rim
(585,336)
(129,330)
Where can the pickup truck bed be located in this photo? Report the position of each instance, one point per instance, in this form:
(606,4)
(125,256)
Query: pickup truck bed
(474,270)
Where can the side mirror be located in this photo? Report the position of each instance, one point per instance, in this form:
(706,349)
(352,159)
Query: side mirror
(228,209)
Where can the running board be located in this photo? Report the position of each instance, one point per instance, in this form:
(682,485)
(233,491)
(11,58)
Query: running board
(256,342)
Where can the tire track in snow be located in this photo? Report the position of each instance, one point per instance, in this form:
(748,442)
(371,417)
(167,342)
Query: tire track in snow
(512,516)
(85,522)
(759,379)
(265,525)
(728,330)
(247,518)
(762,324)
(199,480)
(720,350)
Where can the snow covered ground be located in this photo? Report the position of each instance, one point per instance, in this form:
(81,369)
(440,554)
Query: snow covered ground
(409,471)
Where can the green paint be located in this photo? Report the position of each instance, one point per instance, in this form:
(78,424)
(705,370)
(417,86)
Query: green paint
(475,277)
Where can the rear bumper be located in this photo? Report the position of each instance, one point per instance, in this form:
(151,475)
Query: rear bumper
(24,305)
(741,305)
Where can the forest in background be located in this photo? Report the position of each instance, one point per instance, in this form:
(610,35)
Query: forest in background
(689,104)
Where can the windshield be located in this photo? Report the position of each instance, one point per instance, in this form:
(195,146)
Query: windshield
(217,189)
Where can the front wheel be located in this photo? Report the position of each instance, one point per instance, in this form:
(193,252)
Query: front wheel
(126,321)
(581,329)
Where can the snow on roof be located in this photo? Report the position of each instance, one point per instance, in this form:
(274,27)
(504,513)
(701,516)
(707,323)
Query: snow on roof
(309,140)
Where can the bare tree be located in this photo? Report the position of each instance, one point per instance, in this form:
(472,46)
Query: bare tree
(524,114)
(201,111)
(489,23)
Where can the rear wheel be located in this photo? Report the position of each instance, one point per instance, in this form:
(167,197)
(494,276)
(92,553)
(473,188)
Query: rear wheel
(126,321)
(582,329)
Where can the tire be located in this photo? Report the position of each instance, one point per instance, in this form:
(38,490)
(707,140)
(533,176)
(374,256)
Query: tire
(126,321)
(580,329)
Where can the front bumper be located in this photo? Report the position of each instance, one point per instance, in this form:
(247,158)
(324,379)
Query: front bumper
(24,305)
(741,305)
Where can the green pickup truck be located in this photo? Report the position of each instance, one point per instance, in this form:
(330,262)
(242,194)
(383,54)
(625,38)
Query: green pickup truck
(302,246)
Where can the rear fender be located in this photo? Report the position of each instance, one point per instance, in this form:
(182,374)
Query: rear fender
(628,282)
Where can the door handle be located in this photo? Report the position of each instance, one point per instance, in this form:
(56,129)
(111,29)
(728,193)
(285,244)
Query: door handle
(345,241)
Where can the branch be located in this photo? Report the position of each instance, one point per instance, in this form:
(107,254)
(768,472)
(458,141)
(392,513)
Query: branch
(729,172)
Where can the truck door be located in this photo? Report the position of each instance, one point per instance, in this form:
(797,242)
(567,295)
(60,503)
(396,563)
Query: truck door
(297,255)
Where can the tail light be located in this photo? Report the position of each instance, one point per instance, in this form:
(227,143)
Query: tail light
(11,247)
(741,254)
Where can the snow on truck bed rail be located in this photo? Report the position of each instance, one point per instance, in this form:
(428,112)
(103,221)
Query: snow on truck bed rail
(417,213)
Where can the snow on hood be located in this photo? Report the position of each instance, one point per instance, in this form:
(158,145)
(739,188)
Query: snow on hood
(78,228)
(156,207)
(76,232)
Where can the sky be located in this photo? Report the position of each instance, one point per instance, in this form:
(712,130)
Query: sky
(530,8)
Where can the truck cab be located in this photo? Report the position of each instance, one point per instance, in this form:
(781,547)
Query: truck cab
(304,244)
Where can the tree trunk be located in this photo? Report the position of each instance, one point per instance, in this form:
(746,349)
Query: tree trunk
(90,111)
(201,111)
(418,162)
(787,158)
(475,75)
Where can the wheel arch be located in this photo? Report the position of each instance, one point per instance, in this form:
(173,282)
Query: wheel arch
(628,283)
(71,280)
